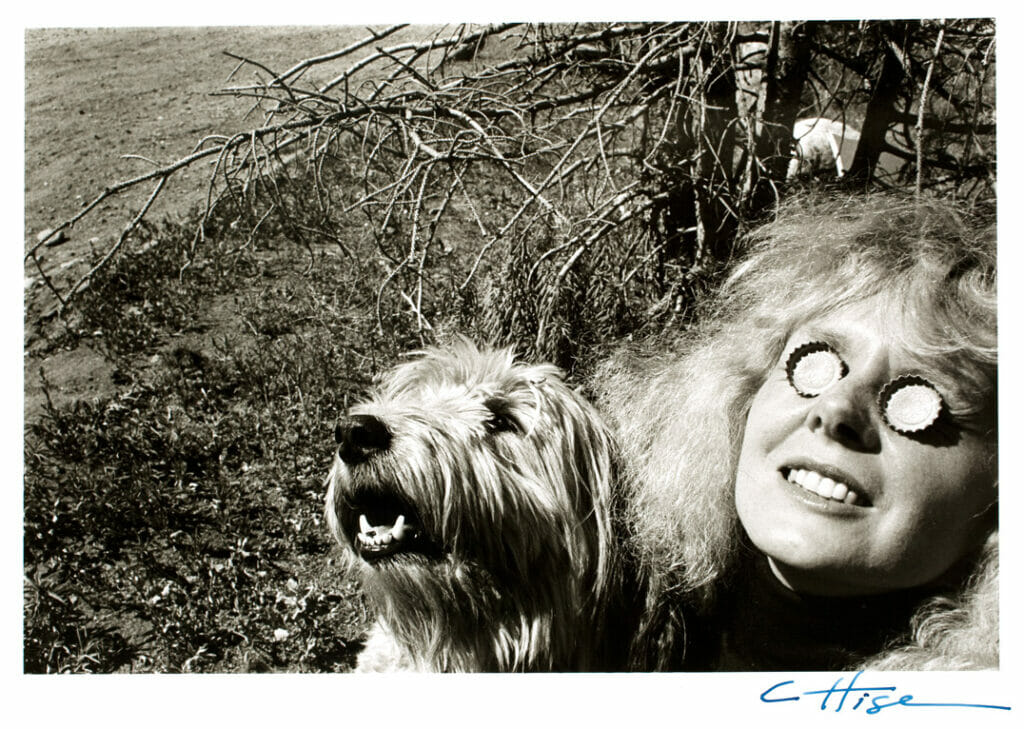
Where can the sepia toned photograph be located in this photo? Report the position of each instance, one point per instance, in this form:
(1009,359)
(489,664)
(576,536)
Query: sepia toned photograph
(551,347)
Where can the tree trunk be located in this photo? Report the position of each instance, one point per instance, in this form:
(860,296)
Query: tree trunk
(786,70)
(713,136)
(784,59)
(882,109)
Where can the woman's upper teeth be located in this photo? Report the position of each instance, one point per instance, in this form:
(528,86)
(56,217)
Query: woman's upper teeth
(823,486)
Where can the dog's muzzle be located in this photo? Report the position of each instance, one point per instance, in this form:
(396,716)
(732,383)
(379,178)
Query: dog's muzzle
(380,522)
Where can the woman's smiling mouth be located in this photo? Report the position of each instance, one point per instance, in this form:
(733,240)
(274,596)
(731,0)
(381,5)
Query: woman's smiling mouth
(825,486)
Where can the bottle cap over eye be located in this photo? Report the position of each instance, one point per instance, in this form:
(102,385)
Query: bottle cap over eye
(813,367)
(910,404)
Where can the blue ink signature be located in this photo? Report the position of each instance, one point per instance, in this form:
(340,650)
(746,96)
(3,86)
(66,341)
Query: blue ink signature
(851,697)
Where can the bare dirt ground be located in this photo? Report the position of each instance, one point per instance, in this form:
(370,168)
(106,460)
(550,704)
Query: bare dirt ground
(95,96)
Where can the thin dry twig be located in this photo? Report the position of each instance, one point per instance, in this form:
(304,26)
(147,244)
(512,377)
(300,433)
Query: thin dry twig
(919,129)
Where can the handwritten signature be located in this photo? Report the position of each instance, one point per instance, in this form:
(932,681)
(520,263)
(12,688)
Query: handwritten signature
(851,697)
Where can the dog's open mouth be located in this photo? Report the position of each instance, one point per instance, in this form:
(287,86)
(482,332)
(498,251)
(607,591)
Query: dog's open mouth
(382,527)
(373,542)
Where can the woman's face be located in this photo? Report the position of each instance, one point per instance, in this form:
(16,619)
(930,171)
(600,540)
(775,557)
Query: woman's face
(839,500)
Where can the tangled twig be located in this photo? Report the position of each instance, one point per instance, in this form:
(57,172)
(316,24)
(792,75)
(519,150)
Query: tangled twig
(591,143)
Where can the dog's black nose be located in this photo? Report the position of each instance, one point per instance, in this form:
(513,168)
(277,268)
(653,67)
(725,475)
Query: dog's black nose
(360,436)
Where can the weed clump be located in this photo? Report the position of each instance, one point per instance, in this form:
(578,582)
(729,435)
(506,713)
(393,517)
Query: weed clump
(176,525)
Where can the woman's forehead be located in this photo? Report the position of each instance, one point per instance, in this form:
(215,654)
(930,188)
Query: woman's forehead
(874,320)
(879,322)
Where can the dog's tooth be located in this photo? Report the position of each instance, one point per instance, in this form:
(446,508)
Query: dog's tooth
(825,488)
(851,498)
(398,530)
(839,492)
(364,524)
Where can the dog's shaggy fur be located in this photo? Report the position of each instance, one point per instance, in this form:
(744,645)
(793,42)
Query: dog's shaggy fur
(474,495)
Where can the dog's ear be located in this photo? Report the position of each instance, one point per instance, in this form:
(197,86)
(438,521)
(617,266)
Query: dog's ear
(503,418)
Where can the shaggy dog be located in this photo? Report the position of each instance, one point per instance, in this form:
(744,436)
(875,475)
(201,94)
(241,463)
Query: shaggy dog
(474,495)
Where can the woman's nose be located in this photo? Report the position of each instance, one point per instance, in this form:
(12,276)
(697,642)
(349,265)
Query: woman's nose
(845,413)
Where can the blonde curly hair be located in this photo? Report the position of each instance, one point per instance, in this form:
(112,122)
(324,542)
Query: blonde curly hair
(679,402)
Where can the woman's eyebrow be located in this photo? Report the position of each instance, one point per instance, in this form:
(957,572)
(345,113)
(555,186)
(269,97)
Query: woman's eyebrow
(946,382)
(817,331)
